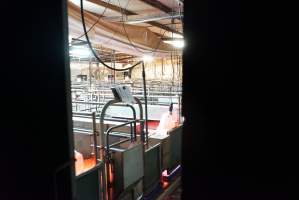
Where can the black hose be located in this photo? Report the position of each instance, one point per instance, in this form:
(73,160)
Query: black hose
(90,46)
(128,68)
(99,17)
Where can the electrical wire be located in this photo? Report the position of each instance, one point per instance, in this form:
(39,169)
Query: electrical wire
(128,68)
(99,17)
(114,31)
(127,35)
(91,48)
(111,37)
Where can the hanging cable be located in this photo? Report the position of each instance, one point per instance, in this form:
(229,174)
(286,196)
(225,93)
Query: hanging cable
(110,38)
(91,48)
(128,68)
(127,35)
(99,17)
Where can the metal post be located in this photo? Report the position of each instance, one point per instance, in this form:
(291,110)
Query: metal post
(94,128)
(145,102)
(90,73)
(179,101)
(114,72)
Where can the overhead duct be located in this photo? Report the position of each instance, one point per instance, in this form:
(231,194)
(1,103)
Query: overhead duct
(143,19)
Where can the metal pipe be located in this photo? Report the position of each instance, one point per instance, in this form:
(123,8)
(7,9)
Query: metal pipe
(145,102)
(134,117)
(131,131)
(95,133)
(117,143)
(83,131)
(107,157)
(114,72)
(140,118)
(144,20)
(102,116)
(102,141)
(112,128)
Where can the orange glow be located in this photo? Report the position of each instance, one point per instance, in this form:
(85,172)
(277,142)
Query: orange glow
(152,124)
(111,174)
(88,164)
(165,184)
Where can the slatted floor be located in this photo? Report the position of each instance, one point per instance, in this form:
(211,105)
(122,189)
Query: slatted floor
(175,195)
(173,191)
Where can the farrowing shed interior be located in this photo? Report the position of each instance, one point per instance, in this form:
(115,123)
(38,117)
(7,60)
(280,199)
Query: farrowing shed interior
(126,88)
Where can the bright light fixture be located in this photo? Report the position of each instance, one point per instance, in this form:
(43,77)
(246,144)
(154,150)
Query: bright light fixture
(70,40)
(80,52)
(147,58)
(176,43)
(174,35)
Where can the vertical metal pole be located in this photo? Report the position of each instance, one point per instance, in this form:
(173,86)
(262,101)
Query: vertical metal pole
(90,94)
(94,127)
(145,102)
(131,132)
(179,101)
(114,72)
(90,73)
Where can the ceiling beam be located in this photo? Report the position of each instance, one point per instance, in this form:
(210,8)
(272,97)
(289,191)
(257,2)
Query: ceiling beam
(164,27)
(128,12)
(111,7)
(158,5)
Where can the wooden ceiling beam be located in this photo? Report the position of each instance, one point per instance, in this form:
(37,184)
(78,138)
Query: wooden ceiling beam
(164,27)
(128,12)
(111,7)
(158,5)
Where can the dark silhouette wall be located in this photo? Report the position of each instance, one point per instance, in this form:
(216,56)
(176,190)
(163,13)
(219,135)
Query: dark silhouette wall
(237,143)
(35,101)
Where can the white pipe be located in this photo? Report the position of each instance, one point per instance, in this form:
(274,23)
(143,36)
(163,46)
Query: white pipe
(153,19)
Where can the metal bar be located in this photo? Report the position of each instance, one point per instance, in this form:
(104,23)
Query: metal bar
(153,19)
(114,72)
(110,95)
(134,19)
(134,118)
(90,72)
(145,101)
(83,113)
(112,128)
(83,131)
(95,133)
(131,128)
(140,118)
(108,148)
(102,120)
(117,143)
(88,102)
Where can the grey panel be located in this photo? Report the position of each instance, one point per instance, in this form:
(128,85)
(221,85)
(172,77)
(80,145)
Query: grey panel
(88,185)
(151,167)
(133,165)
(175,147)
